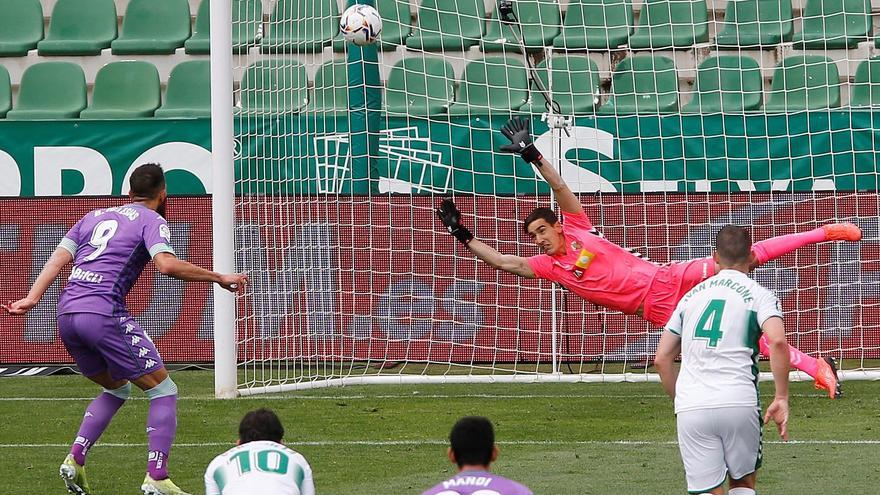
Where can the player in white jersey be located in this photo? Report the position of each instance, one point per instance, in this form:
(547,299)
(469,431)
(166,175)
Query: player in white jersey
(260,463)
(716,328)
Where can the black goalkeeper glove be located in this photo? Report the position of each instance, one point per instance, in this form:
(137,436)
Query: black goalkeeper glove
(451,218)
(519,133)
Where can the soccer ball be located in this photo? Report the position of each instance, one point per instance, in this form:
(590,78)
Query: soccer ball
(360,24)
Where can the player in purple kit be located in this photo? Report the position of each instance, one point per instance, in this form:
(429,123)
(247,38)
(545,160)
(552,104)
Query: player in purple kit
(109,248)
(472,447)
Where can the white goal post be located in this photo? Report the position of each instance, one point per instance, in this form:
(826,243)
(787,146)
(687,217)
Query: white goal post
(329,160)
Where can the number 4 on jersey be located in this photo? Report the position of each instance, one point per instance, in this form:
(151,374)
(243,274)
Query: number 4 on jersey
(709,324)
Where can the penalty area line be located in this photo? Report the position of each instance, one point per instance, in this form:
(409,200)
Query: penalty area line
(391,443)
(391,396)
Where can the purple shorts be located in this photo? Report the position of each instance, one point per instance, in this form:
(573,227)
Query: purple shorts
(108,343)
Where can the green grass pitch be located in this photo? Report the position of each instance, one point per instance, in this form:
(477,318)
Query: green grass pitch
(556,438)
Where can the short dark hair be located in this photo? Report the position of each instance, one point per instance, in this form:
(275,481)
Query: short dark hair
(147,181)
(734,245)
(541,213)
(472,440)
(262,424)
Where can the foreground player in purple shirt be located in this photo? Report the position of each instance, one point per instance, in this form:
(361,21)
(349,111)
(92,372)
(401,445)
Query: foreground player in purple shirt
(109,248)
(472,448)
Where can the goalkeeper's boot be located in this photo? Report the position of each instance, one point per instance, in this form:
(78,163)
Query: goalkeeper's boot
(74,476)
(826,377)
(842,232)
(160,487)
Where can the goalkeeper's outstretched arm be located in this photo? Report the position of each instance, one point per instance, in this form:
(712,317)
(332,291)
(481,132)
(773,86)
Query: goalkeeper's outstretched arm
(451,218)
(519,132)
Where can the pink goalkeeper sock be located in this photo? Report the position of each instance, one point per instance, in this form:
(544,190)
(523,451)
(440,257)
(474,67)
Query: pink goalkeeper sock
(772,248)
(799,360)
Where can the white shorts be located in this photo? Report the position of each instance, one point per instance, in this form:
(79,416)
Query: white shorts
(718,442)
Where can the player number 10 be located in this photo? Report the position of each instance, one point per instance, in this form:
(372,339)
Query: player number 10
(268,461)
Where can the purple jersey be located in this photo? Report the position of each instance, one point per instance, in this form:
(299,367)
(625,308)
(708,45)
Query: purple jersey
(110,247)
(478,483)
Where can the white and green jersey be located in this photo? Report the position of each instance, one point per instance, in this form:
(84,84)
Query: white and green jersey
(263,467)
(719,322)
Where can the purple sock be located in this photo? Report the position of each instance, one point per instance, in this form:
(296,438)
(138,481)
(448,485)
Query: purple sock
(161,427)
(97,417)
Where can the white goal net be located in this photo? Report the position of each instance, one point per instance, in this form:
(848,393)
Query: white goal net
(670,119)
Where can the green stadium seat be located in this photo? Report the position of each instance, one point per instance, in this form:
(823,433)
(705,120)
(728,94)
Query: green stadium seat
(865,90)
(448,25)
(595,24)
(804,82)
(21,26)
(643,84)
(153,27)
(755,24)
(396,25)
(274,86)
(491,85)
(729,84)
(834,24)
(671,24)
(301,26)
(331,88)
(124,90)
(246,18)
(420,85)
(5,92)
(540,21)
(80,28)
(50,90)
(189,91)
(575,85)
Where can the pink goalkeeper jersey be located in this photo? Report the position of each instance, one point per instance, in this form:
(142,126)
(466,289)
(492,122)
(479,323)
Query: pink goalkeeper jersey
(595,268)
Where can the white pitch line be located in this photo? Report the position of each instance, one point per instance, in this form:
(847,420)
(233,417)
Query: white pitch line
(392,396)
(391,443)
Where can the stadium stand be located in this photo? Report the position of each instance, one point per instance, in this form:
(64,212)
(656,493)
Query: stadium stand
(671,23)
(575,85)
(830,24)
(5,92)
(643,84)
(329,93)
(328,88)
(540,21)
(308,37)
(866,86)
(755,24)
(728,83)
(477,94)
(804,82)
(50,90)
(125,90)
(763,31)
(420,86)
(246,20)
(153,27)
(269,87)
(80,28)
(21,26)
(596,24)
(396,25)
(189,91)
(454,25)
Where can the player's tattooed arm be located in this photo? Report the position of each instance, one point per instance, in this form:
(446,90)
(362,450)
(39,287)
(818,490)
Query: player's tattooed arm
(60,257)
(170,265)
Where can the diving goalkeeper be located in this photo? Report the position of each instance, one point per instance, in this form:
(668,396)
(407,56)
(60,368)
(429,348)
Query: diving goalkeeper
(578,257)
